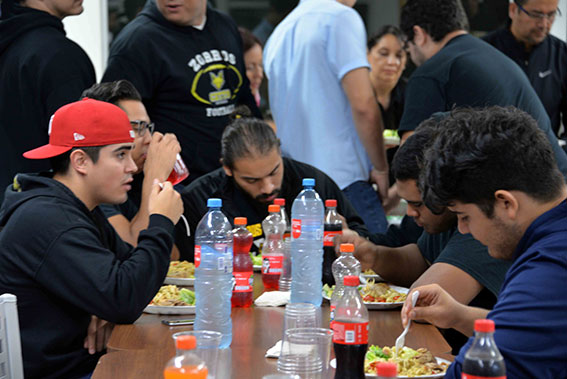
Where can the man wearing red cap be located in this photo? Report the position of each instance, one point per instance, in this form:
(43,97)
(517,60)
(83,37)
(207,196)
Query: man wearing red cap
(61,258)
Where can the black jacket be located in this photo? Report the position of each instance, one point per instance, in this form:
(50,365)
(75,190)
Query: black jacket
(237,203)
(40,71)
(190,80)
(64,264)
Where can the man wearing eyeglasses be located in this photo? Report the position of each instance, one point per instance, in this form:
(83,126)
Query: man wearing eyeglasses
(543,57)
(153,153)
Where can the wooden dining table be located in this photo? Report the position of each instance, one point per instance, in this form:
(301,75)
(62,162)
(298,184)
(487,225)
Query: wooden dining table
(142,349)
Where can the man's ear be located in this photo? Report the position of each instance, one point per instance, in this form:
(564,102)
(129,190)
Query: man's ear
(512,10)
(80,161)
(506,203)
(227,170)
(420,35)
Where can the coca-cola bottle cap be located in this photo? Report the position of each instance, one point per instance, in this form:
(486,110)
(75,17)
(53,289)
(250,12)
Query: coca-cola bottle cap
(273,208)
(279,201)
(347,248)
(331,203)
(387,369)
(186,342)
(351,280)
(484,326)
(240,221)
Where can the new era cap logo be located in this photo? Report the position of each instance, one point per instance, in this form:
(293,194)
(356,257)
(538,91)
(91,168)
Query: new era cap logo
(50,122)
(78,137)
(132,134)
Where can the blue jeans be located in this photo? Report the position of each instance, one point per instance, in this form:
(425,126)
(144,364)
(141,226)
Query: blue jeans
(368,206)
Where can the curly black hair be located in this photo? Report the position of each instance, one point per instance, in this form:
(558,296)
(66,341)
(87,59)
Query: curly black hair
(437,17)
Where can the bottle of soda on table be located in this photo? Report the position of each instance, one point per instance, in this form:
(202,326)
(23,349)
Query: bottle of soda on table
(285,277)
(350,337)
(345,265)
(185,365)
(483,359)
(273,248)
(307,215)
(242,264)
(281,202)
(333,226)
(213,272)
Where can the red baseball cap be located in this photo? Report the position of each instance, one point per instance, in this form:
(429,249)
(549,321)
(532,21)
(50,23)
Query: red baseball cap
(84,123)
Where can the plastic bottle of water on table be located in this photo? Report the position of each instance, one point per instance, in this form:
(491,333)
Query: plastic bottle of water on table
(307,215)
(213,272)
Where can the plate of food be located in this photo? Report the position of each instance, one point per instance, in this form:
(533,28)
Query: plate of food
(370,274)
(172,300)
(391,137)
(256,261)
(412,363)
(180,273)
(376,295)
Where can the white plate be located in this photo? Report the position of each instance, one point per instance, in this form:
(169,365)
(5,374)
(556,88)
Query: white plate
(179,281)
(333,364)
(391,141)
(170,310)
(377,278)
(257,267)
(381,305)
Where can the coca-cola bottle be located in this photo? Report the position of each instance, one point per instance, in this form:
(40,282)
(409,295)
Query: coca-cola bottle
(273,248)
(242,264)
(483,359)
(344,265)
(333,226)
(281,202)
(285,277)
(350,338)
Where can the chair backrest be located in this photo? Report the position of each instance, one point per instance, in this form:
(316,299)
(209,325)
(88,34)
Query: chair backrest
(10,345)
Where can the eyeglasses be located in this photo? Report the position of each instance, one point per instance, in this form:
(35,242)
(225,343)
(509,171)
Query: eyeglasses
(539,15)
(140,127)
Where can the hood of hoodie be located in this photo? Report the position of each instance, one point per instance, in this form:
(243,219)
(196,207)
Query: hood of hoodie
(22,20)
(30,186)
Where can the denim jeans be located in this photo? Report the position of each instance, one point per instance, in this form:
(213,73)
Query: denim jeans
(368,206)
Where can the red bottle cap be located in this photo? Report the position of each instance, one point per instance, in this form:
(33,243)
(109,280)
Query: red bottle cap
(186,342)
(484,326)
(387,369)
(351,280)
(273,208)
(279,201)
(347,248)
(330,203)
(240,221)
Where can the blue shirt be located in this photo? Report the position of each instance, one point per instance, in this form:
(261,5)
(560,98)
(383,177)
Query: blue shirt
(531,311)
(305,59)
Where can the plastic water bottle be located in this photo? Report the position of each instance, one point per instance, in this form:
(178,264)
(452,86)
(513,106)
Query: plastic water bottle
(333,227)
(285,277)
(185,364)
(307,215)
(273,248)
(242,264)
(213,273)
(483,359)
(281,202)
(344,265)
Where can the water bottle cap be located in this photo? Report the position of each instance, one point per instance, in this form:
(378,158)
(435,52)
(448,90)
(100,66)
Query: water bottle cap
(240,221)
(186,342)
(351,280)
(279,201)
(214,203)
(273,208)
(387,369)
(484,326)
(347,248)
(331,203)
(308,182)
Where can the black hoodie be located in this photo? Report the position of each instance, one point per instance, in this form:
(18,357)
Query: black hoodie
(65,263)
(40,70)
(190,80)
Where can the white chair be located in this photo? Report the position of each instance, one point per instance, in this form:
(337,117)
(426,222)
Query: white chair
(10,345)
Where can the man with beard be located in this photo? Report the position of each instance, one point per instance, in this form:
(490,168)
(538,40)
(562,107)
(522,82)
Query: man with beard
(495,170)
(253,175)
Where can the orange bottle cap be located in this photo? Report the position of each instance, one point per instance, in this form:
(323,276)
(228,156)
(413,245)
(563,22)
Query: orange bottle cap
(186,342)
(273,208)
(347,248)
(240,221)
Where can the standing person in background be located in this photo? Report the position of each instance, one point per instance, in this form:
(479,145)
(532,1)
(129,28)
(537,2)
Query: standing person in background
(276,13)
(186,61)
(40,70)
(323,104)
(252,48)
(543,57)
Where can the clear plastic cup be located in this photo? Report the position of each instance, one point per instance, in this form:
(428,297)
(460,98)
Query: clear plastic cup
(207,347)
(301,315)
(281,376)
(180,171)
(306,352)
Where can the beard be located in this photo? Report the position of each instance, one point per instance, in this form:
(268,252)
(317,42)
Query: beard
(263,198)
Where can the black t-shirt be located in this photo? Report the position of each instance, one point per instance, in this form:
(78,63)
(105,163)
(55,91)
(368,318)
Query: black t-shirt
(190,80)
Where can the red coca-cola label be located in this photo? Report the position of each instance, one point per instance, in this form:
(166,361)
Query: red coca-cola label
(243,281)
(197,255)
(329,237)
(468,376)
(272,264)
(295,227)
(350,333)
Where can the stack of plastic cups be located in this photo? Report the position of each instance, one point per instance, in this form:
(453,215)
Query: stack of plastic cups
(306,352)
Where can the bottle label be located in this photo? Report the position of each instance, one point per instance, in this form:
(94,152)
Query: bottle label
(350,333)
(272,264)
(468,376)
(197,255)
(329,237)
(296,228)
(243,281)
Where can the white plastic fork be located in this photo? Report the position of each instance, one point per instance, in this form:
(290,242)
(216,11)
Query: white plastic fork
(401,340)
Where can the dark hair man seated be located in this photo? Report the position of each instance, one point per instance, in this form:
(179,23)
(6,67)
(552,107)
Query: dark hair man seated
(254,173)
(61,257)
(495,170)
